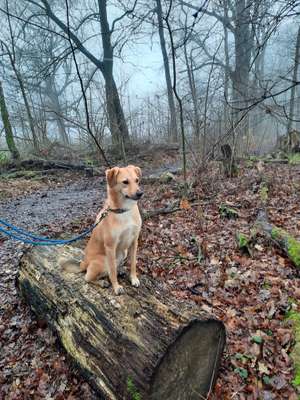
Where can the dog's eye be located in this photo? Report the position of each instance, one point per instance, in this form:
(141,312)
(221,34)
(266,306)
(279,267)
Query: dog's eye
(126,182)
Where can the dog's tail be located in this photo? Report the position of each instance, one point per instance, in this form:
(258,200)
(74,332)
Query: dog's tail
(70,265)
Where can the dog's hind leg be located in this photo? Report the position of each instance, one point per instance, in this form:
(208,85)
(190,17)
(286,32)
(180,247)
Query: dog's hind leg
(83,265)
(94,269)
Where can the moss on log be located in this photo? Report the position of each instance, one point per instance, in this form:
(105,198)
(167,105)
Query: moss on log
(294,317)
(144,341)
(283,239)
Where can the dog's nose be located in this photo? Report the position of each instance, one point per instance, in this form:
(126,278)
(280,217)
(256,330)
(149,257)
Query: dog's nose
(139,194)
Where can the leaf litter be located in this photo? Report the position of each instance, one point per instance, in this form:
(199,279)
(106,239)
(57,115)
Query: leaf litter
(195,254)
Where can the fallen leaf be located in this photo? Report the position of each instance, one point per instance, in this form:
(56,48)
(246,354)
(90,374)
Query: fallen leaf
(184,204)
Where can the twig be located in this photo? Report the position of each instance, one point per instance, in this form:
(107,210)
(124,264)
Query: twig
(160,211)
(165,210)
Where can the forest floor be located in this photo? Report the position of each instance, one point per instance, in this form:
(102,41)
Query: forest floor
(195,253)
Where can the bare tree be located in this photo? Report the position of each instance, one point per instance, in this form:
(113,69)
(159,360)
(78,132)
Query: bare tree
(118,125)
(10,50)
(173,122)
(295,78)
(45,71)
(241,20)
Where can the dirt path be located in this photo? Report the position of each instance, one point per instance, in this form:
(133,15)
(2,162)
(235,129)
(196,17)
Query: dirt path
(30,365)
(62,204)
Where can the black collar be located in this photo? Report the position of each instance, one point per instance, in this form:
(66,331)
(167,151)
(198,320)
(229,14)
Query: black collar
(117,210)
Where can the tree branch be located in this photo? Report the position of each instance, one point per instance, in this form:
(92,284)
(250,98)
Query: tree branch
(127,12)
(225,21)
(70,34)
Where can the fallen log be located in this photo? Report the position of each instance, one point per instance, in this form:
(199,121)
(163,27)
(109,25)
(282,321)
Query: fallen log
(39,163)
(141,345)
(160,211)
(280,237)
(275,160)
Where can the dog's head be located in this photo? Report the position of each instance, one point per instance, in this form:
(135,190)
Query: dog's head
(125,181)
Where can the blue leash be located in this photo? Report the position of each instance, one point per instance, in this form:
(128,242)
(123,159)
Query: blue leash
(41,241)
(30,238)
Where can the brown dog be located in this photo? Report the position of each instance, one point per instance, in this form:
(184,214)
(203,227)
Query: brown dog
(116,236)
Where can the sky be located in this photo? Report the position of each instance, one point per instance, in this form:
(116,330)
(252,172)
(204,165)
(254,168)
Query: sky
(143,66)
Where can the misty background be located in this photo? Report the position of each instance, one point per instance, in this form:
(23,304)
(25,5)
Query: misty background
(97,77)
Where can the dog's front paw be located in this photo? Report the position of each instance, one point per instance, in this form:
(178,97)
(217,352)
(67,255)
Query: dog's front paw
(135,281)
(119,290)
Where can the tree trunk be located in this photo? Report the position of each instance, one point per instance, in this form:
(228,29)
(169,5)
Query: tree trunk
(118,125)
(55,106)
(228,161)
(117,122)
(143,344)
(227,113)
(295,78)
(7,127)
(27,107)
(240,76)
(193,90)
(173,125)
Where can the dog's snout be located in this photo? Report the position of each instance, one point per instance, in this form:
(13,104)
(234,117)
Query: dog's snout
(139,194)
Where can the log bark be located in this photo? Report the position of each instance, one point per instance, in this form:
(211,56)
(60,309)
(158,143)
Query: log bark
(286,242)
(144,344)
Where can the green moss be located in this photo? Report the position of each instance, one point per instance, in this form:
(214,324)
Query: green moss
(244,243)
(249,164)
(132,390)
(89,162)
(242,372)
(294,159)
(294,250)
(227,212)
(4,158)
(266,285)
(257,339)
(166,177)
(294,316)
(277,233)
(292,245)
(242,240)
(264,193)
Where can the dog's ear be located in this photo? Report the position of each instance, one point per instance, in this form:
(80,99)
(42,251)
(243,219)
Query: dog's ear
(111,176)
(137,170)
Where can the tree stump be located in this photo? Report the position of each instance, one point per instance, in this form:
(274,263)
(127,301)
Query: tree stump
(141,345)
(229,166)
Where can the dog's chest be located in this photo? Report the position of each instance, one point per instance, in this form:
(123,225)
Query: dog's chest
(128,231)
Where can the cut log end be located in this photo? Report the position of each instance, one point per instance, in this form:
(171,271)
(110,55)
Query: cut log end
(188,369)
